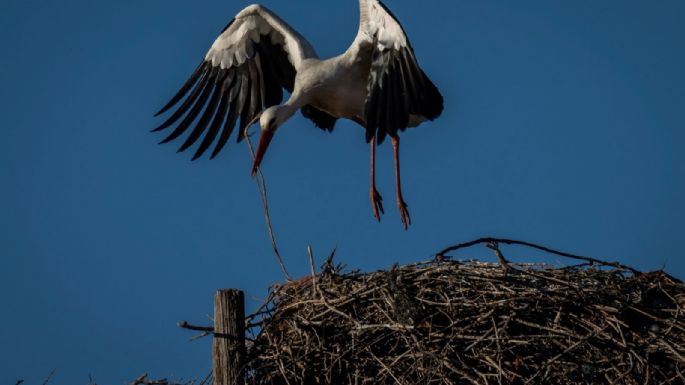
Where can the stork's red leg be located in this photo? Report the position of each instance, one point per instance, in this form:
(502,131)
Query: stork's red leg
(376,200)
(401,204)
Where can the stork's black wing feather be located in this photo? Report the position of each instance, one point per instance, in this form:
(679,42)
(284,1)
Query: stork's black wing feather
(251,62)
(217,91)
(399,94)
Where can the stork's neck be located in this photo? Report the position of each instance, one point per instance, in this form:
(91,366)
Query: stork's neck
(286,110)
(296,101)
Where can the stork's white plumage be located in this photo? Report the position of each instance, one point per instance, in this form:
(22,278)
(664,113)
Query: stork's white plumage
(377,83)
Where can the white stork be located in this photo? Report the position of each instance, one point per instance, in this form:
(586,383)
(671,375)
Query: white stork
(377,83)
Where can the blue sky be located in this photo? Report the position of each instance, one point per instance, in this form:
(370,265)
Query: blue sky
(563,126)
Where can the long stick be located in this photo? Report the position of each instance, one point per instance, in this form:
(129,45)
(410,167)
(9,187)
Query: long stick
(489,240)
(261,184)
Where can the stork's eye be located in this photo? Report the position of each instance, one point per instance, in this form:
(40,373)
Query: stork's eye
(271,123)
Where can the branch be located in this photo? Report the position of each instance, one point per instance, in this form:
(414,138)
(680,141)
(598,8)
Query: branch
(490,240)
(206,330)
(502,261)
(186,325)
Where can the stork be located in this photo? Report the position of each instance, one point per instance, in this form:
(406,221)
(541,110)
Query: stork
(376,83)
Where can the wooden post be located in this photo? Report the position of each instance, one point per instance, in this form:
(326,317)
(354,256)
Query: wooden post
(228,347)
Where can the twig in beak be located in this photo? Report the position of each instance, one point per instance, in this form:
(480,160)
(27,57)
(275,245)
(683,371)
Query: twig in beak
(261,183)
(254,120)
(264,140)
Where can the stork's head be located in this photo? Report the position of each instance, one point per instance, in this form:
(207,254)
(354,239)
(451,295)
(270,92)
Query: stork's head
(274,116)
(270,120)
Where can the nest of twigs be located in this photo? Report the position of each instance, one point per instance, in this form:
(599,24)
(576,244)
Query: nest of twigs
(449,322)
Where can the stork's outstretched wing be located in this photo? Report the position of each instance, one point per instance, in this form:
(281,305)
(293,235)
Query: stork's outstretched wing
(399,93)
(244,72)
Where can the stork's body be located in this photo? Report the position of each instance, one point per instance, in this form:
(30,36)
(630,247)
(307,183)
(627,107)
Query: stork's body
(336,86)
(376,83)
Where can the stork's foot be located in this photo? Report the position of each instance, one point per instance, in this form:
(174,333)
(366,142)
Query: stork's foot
(377,204)
(404,213)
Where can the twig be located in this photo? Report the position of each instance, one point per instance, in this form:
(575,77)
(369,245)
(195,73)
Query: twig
(186,325)
(206,330)
(142,380)
(488,240)
(502,261)
(261,183)
(567,350)
(207,378)
(312,269)
(49,376)
(328,267)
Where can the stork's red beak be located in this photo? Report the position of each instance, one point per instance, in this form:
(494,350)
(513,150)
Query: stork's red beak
(264,140)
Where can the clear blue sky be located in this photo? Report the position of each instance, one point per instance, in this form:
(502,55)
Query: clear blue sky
(563,125)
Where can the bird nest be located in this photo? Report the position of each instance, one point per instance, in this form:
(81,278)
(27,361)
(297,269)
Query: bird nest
(450,322)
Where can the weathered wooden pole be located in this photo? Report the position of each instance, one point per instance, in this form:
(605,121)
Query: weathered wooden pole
(228,347)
